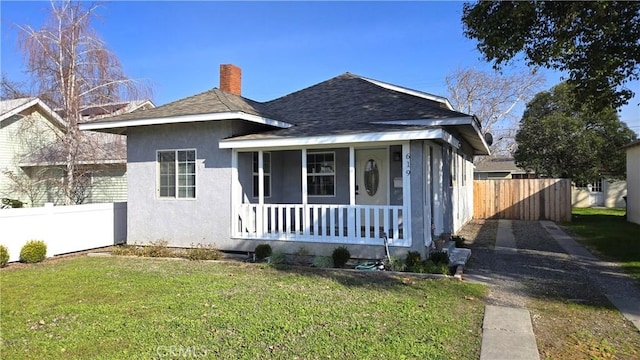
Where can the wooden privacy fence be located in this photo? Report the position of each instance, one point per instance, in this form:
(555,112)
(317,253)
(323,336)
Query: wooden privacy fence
(522,199)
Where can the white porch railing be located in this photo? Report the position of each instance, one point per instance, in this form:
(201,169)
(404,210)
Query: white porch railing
(349,224)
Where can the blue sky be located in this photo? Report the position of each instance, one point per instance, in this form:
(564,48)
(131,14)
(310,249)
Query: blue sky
(281,46)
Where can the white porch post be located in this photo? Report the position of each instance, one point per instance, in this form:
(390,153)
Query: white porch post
(352,193)
(236,194)
(406,190)
(427,190)
(260,213)
(304,176)
(306,229)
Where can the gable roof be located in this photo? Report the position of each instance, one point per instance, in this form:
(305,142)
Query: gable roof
(9,108)
(344,105)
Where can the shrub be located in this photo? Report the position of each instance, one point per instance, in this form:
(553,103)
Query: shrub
(11,203)
(157,249)
(431,267)
(33,251)
(340,256)
(396,264)
(262,251)
(278,258)
(4,256)
(130,250)
(322,262)
(413,259)
(439,257)
(204,252)
(301,256)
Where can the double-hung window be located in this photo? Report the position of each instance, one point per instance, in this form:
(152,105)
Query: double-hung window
(321,174)
(266,170)
(177,174)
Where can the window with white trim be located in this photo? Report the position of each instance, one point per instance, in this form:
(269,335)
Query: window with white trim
(177,174)
(266,170)
(321,174)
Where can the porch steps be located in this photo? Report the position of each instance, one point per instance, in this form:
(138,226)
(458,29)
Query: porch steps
(457,256)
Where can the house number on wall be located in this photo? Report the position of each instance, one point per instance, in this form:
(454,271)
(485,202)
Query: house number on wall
(407,157)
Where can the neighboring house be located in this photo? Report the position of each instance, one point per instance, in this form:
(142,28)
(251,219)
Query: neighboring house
(343,162)
(500,168)
(32,160)
(633,182)
(603,193)
(27,124)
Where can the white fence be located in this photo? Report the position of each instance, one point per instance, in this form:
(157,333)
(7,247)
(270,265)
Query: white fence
(64,229)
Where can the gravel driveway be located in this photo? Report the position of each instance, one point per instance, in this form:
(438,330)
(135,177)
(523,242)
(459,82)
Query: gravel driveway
(543,278)
(539,269)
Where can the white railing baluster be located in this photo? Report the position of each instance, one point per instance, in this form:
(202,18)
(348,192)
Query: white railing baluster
(359,224)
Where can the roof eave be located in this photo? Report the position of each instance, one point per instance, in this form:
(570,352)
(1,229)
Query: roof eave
(345,139)
(105,126)
(53,116)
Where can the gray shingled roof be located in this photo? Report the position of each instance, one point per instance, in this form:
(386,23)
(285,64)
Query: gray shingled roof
(208,102)
(345,104)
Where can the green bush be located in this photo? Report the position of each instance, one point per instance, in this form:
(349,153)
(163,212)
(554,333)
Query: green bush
(4,256)
(431,267)
(262,251)
(11,203)
(33,251)
(396,264)
(322,262)
(439,257)
(301,256)
(413,259)
(340,256)
(278,258)
(204,252)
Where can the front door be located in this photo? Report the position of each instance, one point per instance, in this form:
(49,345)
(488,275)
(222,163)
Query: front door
(372,177)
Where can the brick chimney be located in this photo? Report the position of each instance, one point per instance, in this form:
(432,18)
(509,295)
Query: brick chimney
(231,79)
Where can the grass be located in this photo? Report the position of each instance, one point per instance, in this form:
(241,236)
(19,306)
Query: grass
(113,307)
(607,233)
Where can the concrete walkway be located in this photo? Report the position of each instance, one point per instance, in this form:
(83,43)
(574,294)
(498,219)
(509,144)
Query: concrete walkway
(507,332)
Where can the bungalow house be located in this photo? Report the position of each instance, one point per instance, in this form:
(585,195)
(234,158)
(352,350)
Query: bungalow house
(32,158)
(347,162)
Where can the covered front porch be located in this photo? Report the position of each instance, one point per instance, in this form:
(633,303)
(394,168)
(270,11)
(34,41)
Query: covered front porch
(328,194)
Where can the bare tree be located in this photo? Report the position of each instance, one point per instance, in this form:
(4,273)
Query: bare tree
(12,89)
(492,97)
(72,68)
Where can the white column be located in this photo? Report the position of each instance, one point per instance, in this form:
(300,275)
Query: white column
(260,213)
(236,194)
(304,175)
(351,214)
(352,175)
(406,191)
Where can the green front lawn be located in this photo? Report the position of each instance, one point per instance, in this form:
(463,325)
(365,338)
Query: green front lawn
(114,307)
(606,232)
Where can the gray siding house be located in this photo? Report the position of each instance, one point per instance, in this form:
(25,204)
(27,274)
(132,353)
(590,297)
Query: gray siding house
(343,162)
